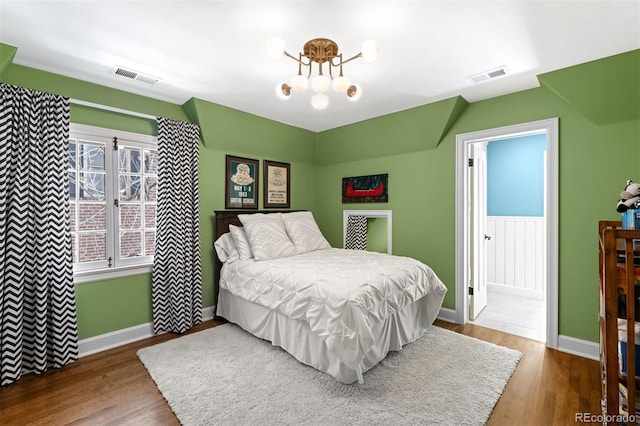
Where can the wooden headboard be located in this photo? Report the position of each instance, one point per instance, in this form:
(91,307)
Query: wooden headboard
(224,218)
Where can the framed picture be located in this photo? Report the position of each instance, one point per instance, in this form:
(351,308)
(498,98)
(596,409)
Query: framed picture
(276,185)
(365,189)
(241,183)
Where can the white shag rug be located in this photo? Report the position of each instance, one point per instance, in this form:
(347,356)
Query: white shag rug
(226,376)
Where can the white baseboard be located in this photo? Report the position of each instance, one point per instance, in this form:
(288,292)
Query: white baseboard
(568,344)
(583,348)
(209,313)
(92,345)
(448,315)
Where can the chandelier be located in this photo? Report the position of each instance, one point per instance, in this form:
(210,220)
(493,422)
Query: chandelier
(322,51)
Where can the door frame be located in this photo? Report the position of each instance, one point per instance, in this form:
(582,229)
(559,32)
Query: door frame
(477,229)
(550,127)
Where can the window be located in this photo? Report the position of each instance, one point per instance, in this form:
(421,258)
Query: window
(113,186)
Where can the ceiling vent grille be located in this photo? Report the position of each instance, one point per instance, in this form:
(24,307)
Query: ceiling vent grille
(488,75)
(134,75)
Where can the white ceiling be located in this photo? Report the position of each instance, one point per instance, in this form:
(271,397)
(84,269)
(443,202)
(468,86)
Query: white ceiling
(216,50)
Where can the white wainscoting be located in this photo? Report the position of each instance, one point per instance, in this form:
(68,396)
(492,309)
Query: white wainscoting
(515,253)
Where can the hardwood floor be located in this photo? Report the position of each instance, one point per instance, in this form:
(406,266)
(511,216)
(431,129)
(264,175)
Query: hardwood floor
(113,388)
(549,387)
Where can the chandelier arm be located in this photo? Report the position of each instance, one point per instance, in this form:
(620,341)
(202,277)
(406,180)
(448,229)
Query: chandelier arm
(289,55)
(338,65)
(359,55)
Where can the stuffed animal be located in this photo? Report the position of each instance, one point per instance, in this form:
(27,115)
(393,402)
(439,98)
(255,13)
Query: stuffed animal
(632,190)
(630,204)
(629,198)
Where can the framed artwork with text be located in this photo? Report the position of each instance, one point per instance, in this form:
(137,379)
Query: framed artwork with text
(276,181)
(241,183)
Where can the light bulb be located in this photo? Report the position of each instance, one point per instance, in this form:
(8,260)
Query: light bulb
(319,101)
(341,84)
(320,83)
(299,82)
(369,50)
(354,92)
(275,47)
(283,91)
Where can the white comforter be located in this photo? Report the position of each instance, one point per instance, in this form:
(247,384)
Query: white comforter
(340,293)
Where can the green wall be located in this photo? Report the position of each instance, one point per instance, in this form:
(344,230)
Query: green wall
(416,148)
(421,196)
(109,305)
(376,234)
(595,160)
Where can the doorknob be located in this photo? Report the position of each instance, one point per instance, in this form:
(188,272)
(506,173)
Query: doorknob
(487,237)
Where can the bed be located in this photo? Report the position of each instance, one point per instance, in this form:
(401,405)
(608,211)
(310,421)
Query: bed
(339,311)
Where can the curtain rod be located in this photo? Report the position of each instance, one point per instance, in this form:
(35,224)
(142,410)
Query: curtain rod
(109,108)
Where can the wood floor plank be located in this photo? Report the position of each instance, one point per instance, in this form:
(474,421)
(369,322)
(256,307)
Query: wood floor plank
(113,387)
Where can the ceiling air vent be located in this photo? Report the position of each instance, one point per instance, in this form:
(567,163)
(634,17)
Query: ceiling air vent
(488,75)
(134,75)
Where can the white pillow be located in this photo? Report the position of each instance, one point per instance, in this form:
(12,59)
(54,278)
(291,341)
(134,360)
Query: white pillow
(241,242)
(267,236)
(304,232)
(226,248)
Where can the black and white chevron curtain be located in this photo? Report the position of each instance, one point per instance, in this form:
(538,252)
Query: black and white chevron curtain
(38,326)
(176,286)
(356,238)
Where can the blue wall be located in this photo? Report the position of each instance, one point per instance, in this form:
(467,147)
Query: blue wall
(515,176)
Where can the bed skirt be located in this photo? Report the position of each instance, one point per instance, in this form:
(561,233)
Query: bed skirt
(295,336)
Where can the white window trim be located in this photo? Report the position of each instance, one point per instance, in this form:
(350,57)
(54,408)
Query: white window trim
(81,277)
(127,269)
(136,143)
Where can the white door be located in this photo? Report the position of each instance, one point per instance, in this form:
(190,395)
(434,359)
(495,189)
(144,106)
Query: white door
(478,221)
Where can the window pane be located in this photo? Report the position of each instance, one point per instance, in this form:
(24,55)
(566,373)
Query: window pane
(91,186)
(74,247)
(129,160)
(92,216)
(72,154)
(92,246)
(150,161)
(150,215)
(72,185)
(129,188)
(130,244)
(91,156)
(72,216)
(130,216)
(149,242)
(150,188)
